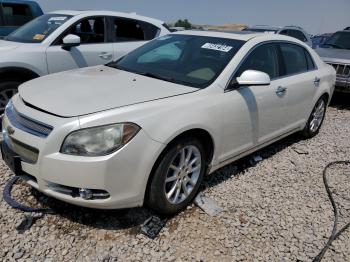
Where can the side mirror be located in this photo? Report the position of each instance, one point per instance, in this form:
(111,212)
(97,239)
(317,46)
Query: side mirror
(70,41)
(253,78)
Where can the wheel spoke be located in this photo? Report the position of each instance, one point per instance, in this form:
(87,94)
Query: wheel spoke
(184,188)
(177,193)
(188,156)
(195,169)
(175,168)
(182,157)
(172,190)
(193,161)
(189,180)
(171,179)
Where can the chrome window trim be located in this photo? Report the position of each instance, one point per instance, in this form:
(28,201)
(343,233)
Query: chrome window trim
(275,78)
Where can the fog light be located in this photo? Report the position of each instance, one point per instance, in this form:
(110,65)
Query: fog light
(85,193)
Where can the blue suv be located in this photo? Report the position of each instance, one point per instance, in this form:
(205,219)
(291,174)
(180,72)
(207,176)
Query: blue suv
(15,13)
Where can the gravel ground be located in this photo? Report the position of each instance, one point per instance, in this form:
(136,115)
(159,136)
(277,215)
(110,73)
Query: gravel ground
(277,210)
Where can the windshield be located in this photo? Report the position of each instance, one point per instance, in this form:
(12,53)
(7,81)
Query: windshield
(38,29)
(194,61)
(340,40)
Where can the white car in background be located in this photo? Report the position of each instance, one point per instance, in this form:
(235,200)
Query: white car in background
(146,128)
(291,30)
(64,40)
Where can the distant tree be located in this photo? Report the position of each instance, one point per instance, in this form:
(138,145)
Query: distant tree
(183,23)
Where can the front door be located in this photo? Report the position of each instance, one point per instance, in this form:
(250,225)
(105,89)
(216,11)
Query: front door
(261,114)
(93,50)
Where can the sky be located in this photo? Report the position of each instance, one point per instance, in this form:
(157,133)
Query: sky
(315,16)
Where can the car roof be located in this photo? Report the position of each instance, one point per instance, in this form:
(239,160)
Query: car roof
(237,35)
(240,35)
(107,13)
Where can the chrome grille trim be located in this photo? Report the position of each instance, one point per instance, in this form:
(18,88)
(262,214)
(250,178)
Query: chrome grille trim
(343,70)
(27,124)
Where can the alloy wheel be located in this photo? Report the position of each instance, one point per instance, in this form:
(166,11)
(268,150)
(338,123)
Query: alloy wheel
(183,174)
(317,115)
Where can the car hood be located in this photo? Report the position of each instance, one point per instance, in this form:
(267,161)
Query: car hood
(90,90)
(334,55)
(8,45)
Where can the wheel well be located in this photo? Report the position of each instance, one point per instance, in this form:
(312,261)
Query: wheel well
(17,73)
(202,135)
(326,95)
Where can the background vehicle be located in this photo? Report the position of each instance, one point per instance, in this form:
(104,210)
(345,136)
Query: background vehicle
(15,13)
(65,40)
(318,40)
(292,31)
(194,101)
(336,52)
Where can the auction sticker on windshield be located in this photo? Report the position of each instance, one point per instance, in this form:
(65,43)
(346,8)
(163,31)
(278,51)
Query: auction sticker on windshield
(217,47)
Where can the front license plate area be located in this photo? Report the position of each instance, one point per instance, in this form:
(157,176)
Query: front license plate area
(12,160)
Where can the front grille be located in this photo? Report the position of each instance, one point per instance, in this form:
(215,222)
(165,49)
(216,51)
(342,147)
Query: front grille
(341,69)
(27,124)
(27,153)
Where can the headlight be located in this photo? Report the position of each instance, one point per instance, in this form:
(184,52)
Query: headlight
(99,141)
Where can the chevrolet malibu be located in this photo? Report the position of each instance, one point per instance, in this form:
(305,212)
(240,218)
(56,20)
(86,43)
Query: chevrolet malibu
(146,128)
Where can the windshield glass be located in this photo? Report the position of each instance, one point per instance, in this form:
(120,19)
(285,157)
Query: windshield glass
(340,40)
(39,29)
(194,61)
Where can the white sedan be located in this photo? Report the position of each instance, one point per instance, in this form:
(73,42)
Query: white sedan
(146,128)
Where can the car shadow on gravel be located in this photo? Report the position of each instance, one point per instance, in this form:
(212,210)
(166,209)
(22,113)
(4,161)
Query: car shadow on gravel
(238,167)
(341,101)
(95,218)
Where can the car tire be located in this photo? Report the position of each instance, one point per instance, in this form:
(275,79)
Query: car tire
(171,172)
(316,119)
(8,88)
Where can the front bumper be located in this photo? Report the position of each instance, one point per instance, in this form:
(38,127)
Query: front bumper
(123,174)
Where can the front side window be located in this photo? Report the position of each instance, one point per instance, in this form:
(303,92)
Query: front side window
(194,61)
(90,30)
(129,30)
(294,59)
(38,29)
(264,58)
(16,14)
(340,40)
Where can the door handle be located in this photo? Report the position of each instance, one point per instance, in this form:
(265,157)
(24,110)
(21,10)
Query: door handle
(281,90)
(105,55)
(317,81)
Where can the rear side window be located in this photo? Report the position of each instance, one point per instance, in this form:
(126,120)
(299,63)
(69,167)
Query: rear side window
(16,14)
(129,30)
(263,58)
(294,59)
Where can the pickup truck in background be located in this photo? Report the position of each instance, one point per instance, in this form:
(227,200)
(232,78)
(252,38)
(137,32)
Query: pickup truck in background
(15,13)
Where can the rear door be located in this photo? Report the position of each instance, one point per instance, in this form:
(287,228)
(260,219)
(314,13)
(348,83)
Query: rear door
(301,79)
(95,49)
(129,34)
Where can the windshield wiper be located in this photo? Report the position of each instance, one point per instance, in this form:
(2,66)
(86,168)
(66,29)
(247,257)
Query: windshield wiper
(164,78)
(334,45)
